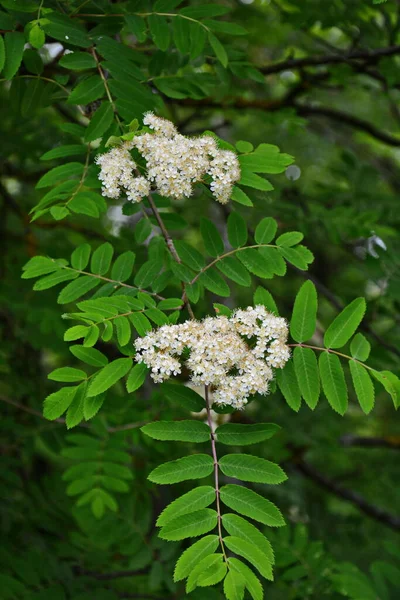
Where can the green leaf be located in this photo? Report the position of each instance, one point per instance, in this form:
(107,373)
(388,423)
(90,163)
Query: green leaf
(193,555)
(391,383)
(189,255)
(288,385)
(212,240)
(360,347)
(189,525)
(342,328)
(159,30)
(273,260)
(240,197)
(87,91)
(70,170)
(2,53)
(66,30)
(195,466)
(77,288)
(178,431)
(267,158)
(67,375)
(218,48)
(100,122)
(75,333)
(123,266)
(56,404)
(90,356)
(299,256)
(77,61)
(91,407)
(252,180)
(291,238)
(250,504)
(255,263)
(198,36)
(265,230)
(241,528)
(304,316)
(181,33)
(235,434)
(237,230)
(62,151)
(333,381)
(232,268)
(306,369)
(251,553)
(39,265)
(109,375)
(80,257)
(140,323)
(212,575)
(136,377)
(147,273)
(185,396)
(204,10)
(201,572)
(234,585)
(92,336)
(252,583)
(263,297)
(14,42)
(213,281)
(363,386)
(36,36)
(192,501)
(225,27)
(123,329)
(101,259)
(75,409)
(54,279)
(251,468)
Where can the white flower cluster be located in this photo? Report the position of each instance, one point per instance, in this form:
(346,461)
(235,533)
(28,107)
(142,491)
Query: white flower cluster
(174,164)
(116,174)
(234,356)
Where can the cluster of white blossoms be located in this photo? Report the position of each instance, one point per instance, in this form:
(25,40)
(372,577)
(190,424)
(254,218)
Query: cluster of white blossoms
(117,174)
(234,356)
(174,163)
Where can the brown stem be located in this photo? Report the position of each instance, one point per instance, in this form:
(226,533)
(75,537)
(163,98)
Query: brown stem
(171,248)
(215,457)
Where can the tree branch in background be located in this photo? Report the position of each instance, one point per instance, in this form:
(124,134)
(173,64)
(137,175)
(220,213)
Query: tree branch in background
(368,56)
(379,514)
(350,440)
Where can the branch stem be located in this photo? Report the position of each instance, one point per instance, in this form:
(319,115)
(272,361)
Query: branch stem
(171,248)
(215,457)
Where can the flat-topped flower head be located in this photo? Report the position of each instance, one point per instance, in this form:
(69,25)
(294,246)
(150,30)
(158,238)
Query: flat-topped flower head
(234,356)
(174,164)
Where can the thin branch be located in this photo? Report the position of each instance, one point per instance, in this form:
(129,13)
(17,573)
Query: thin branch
(369,56)
(346,118)
(171,248)
(215,457)
(350,440)
(377,513)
